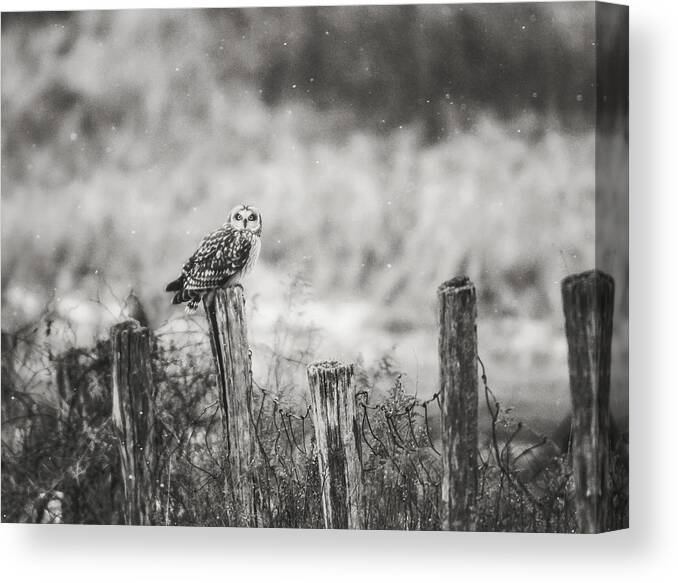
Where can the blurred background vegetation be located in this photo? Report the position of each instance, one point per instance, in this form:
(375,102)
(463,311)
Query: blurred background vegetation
(388,148)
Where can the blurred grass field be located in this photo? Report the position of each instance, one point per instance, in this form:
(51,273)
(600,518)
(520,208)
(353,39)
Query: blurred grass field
(128,135)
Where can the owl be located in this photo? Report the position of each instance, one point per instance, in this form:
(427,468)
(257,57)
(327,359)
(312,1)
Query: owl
(222,258)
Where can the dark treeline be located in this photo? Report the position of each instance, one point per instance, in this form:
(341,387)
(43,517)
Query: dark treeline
(437,65)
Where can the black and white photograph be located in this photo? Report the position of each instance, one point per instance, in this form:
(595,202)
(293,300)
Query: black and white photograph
(318,267)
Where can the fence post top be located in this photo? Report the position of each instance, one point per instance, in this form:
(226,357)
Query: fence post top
(130,324)
(460,283)
(327,366)
(584,278)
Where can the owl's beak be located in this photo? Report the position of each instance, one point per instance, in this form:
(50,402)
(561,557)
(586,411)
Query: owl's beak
(244,223)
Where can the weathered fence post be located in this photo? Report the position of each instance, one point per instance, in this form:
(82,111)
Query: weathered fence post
(338,442)
(133,418)
(588,304)
(225,309)
(458,353)
(10,407)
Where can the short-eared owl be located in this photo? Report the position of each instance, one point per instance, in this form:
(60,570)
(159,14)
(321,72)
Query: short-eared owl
(222,257)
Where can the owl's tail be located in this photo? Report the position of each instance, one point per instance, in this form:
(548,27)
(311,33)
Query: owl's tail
(176,285)
(192,297)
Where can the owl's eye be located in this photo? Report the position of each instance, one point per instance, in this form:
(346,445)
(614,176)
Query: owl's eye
(252,218)
(238,216)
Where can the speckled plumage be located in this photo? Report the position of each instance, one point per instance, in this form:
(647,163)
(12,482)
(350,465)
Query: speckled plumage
(222,258)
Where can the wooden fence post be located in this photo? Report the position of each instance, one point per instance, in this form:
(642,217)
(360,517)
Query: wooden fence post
(225,310)
(588,304)
(338,441)
(458,353)
(133,418)
(10,407)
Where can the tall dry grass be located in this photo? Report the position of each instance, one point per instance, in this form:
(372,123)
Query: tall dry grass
(127,135)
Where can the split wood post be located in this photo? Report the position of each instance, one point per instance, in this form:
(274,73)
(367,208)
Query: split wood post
(225,310)
(338,442)
(458,353)
(133,418)
(588,304)
(10,407)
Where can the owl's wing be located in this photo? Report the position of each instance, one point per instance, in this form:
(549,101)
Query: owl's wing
(220,255)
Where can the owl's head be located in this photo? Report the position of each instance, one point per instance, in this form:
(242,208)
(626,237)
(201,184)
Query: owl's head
(245,218)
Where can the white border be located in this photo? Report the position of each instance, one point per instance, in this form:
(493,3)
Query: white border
(646,552)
